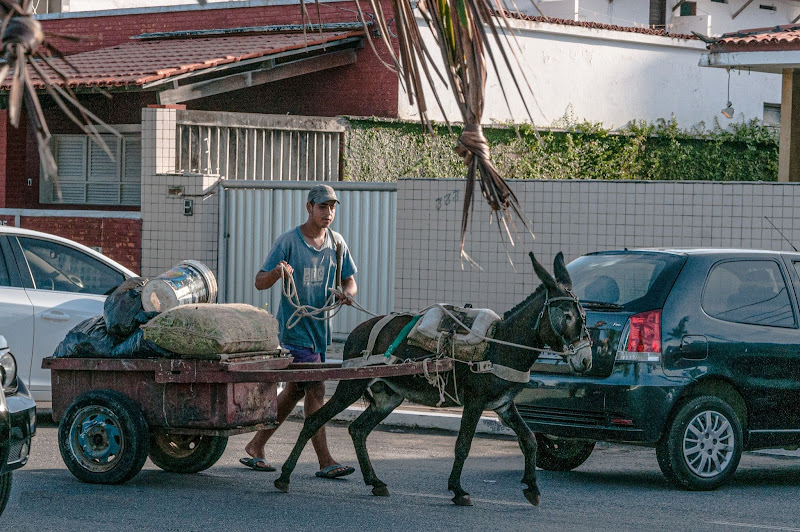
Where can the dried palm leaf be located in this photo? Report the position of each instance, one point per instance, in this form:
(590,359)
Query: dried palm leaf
(26,51)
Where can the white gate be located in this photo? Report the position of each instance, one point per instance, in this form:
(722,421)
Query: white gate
(254,213)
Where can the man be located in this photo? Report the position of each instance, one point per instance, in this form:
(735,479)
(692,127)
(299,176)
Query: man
(308,253)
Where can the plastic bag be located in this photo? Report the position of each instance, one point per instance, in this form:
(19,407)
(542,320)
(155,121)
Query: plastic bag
(87,339)
(123,310)
(137,346)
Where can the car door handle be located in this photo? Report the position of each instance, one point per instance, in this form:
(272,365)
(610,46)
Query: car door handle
(55,315)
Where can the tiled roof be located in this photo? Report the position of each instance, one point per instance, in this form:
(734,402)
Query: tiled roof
(596,25)
(142,61)
(776,38)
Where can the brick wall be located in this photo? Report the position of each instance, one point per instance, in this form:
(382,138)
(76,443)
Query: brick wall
(118,238)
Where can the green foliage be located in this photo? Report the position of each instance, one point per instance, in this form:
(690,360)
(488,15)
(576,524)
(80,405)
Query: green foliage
(381,150)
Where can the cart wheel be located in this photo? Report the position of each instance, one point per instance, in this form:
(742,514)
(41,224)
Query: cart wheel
(186,453)
(103,437)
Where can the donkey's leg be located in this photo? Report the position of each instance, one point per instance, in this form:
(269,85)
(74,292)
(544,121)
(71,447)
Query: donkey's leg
(347,393)
(527,442)
(469,422)
(383,402)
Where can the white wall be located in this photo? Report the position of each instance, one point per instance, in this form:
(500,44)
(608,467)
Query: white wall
(574,217)
(613,77)
(752,17)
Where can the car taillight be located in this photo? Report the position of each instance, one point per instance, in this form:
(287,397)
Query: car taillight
(644,338)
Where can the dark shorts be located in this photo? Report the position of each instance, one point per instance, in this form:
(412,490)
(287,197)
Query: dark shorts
(303,354)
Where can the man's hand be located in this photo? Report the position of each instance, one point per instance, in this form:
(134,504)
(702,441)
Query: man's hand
(349,289)
(283,265)
(265,280)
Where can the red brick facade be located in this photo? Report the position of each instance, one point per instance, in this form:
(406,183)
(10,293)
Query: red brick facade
(117,238)
(366,88)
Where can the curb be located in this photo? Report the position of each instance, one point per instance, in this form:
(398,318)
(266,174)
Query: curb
(413,419)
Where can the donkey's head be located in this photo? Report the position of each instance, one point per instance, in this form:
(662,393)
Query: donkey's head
(562,321)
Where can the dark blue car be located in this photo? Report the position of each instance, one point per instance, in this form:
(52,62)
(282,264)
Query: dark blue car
(17,421)
(696,352)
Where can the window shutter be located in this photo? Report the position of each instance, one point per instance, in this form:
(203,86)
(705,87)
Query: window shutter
(69,186)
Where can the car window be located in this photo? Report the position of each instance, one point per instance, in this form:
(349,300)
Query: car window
(5,277)
(58,267)
(628,279)
(748,291)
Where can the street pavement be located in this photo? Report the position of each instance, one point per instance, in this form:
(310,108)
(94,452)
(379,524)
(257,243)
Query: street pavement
(618,489)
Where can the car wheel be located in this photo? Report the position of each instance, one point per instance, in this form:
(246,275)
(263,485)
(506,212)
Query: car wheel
(561,454)
(702,445)
(186,453)
(103,437)
(5,490)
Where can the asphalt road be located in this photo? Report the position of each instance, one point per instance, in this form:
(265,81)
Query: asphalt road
(619,488)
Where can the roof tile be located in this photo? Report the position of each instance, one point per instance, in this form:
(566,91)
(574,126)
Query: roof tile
(142,61)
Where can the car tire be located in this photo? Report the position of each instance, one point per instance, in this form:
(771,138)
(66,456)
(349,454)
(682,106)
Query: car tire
(186,453)
(561,454)
(5,490)
(103,437)
(703,427)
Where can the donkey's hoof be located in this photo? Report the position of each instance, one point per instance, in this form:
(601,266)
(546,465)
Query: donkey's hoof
(462,500)
(282,485)
(380,491)
(533,496)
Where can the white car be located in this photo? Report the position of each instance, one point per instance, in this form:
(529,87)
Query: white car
(48,284)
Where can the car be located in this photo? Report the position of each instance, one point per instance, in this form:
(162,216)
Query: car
(696,352)
(48,284)
(17,421)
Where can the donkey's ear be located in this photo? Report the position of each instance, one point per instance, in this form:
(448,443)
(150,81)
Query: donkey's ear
(562,275)
(543,274)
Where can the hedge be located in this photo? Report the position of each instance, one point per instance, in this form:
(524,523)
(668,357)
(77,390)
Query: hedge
(385,150)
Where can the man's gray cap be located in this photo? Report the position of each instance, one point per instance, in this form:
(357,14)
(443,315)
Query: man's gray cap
(322,193)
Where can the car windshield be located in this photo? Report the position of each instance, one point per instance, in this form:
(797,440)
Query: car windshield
(634,281)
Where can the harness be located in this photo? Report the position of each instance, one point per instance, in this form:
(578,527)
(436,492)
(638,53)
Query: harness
(558,315)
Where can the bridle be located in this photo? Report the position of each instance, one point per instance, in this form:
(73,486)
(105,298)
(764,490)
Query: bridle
(555,313)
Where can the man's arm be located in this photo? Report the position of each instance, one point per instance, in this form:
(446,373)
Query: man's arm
(349,289)
(265,280)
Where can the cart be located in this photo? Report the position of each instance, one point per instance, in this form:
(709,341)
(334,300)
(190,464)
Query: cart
(113,413)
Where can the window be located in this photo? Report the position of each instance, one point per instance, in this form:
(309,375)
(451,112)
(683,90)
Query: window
(58,267)
(772,114)
(720,1)
(689,9)
(748,291)
(5,278)
(658,13)
(768,7)
(88,176)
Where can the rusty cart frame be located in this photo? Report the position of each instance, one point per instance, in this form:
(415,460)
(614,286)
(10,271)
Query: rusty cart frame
(114,413)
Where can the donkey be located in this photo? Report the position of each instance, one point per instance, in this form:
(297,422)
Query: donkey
(550,316)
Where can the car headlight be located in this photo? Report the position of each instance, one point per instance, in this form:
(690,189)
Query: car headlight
(8,369)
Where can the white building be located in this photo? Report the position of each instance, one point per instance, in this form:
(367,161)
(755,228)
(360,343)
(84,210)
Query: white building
(602,61)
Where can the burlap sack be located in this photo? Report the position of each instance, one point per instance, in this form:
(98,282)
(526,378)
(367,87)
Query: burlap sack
(209,329)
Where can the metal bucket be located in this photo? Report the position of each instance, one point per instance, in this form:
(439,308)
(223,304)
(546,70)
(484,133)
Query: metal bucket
(188,282)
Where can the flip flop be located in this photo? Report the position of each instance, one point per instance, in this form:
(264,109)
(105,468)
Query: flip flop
(255,463)
(335,471)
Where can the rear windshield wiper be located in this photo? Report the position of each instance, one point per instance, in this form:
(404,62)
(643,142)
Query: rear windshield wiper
(601,305)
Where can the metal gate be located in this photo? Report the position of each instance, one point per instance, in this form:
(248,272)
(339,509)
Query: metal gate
(254,213)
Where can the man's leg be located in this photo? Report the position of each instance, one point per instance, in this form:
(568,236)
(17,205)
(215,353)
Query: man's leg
(287,400)
(315,398)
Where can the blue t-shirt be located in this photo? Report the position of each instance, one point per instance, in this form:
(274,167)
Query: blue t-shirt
(314,274)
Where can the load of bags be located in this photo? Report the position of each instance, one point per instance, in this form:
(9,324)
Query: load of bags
(126,330)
